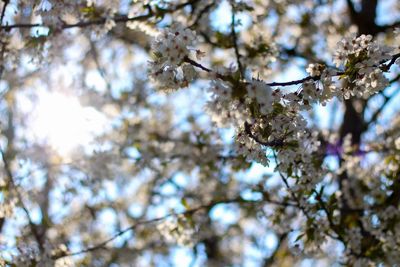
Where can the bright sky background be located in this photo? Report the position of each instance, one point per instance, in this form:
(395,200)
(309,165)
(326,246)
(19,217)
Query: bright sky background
(62,122)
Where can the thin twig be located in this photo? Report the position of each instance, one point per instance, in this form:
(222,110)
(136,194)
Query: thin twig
(296,198)
(385,67)
(201,13)
(275,143)
(100,21)
(158,219)
(379,111)
(10,177)
(235,40)
(3,11)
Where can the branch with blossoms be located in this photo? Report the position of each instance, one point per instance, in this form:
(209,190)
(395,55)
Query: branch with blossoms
(378,112)
(272,84)
(187,213)
(99,21)
(12,186)
(235,39)
(80,24)
(302,207)
(319,200)
(237,102)
(274,143)
(314,78)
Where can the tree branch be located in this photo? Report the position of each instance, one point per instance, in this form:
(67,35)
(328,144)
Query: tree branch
(235,40)
(389,26)
(3,11)
(275,143)
(100,21)
(384,67)
(352,10)
(158,219)
(379,111)
(34,229)
(201,13)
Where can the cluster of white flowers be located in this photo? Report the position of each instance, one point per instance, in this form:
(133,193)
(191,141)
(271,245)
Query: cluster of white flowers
(31,255)
(224,110)
(397,143)
(315,69)
(298,159)
(308,95)
(262,94)
(272,120)
(263,117)
(7,204)
(316,92)
(170,48)
(362,50)
(362,76)
(250,149)
(178,230)
(54,13)
(360,56)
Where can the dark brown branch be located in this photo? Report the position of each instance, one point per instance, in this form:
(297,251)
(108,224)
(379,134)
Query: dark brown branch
(303,209)
(206,9)
(224,77)
(81,24)
(300,81)
(389,26)
(364,19)
(35,231)
(195,64)
(385,67)
(100,21)
(275,143)
(332,225)
(235,40)
(391,62)
(3,11)
(352,10)
(395,79)
(379,111)
(158,219)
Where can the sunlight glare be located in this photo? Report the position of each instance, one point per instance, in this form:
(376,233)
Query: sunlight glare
(61,122)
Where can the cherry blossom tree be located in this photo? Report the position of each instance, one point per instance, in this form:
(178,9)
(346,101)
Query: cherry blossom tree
(229,133)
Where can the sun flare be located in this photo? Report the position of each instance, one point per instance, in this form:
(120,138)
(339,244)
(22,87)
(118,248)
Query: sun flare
(64,124)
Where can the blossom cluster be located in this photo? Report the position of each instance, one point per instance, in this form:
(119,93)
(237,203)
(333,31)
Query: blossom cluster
(31,255)
(7,204)
(170,48)
(177,230)
(152,157)
(360,57)
(266,118)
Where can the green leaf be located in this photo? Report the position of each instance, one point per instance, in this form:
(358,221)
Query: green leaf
(36,41)
(184,203)
(88,10)
(223,40)
(299,237)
